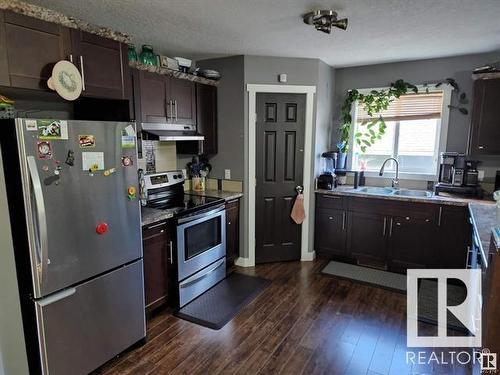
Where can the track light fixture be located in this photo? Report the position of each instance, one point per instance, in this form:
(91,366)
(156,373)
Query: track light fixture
(323,20)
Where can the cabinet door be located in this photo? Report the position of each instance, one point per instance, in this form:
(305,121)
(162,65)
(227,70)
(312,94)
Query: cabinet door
(183,96)
(411,243)
(206,114)
(232,231)
(485,123)
(455,234)
(29,49)
(330,232)
(367,241)
(103,64)
(155,252)
(153,97)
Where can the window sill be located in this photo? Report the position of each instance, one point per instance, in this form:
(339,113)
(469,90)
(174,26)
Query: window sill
(402,176)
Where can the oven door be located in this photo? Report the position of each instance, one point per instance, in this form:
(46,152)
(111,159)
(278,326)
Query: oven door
(201,240)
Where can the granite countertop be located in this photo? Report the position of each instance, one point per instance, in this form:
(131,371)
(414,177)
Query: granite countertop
(154,215)
(484,220)
(227,195)
(438,199)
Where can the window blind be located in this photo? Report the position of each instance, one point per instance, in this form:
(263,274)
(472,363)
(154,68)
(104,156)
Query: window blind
(408,107)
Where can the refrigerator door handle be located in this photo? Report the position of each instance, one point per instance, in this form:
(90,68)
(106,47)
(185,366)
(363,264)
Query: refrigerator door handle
(41,218)
(57,297)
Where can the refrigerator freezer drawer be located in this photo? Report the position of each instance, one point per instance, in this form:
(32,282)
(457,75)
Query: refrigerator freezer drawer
(83,327)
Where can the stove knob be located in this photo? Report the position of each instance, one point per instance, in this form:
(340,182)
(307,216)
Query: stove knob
(179,175)
(175,177)
(101,228)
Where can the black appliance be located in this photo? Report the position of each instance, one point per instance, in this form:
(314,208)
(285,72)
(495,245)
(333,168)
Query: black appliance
(326,179)
(197,252)
(497,181)
(458,175)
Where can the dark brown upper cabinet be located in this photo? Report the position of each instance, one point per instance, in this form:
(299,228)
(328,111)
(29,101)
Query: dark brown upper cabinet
(29,49)
(153,91)
(206,120)
(485,126)
(103,64)
(182,97)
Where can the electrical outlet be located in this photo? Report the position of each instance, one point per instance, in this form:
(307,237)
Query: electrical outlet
(227,174)
(480,175)
(184,173)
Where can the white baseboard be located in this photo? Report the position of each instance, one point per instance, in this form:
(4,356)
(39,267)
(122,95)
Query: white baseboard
(308,257)
(244,262)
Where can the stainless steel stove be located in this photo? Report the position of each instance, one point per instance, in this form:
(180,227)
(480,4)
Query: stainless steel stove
(198,248)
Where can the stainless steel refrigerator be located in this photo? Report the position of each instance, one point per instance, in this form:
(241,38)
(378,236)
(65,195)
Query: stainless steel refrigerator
(75,217)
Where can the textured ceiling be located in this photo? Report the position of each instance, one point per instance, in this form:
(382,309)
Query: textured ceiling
(379,30)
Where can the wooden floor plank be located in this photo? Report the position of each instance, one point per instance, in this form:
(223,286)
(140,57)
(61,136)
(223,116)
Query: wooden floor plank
(303,323)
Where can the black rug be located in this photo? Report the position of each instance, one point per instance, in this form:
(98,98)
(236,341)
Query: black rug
(218,305)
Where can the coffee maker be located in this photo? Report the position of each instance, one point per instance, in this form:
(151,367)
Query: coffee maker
(458,175)
(326,179)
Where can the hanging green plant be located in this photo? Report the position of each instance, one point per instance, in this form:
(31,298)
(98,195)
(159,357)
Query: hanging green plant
(375,102)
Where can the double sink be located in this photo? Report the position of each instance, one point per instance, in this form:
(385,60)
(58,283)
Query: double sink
(395,192)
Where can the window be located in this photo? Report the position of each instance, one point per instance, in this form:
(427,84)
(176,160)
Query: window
(415,136)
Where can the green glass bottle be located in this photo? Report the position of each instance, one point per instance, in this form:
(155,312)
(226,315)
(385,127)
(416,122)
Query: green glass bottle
(147,56)
(132,53)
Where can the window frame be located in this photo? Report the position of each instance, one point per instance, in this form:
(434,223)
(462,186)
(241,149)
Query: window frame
(440,141)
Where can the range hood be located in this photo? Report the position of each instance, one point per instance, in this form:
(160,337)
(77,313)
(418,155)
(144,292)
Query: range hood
(173,132)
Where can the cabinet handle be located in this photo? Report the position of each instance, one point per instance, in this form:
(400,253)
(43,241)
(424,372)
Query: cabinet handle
(228,223)
(385,225)
(171,256)
(343,220)
(155,226)
(70,58)
(469,251)
(82,72)
(439,216)
(390,228)
(480,147)
(330,217)
(175,106)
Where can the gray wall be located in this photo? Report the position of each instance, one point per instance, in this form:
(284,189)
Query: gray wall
(13,358)
(418,72)
(230,117)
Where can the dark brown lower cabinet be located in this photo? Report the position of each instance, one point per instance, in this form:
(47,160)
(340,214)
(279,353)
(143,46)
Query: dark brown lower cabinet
(391,235)
(232,233)
(411,243)
(331,232)
(367,238)
(156,244)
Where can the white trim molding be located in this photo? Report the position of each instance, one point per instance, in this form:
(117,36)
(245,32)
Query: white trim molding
(250,180)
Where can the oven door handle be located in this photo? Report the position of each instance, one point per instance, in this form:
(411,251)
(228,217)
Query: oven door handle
(183,220)
(197,277)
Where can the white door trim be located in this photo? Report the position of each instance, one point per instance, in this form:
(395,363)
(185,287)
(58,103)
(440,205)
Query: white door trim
(253,89)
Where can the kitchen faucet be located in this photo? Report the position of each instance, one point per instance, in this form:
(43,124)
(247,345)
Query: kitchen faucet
(395,180)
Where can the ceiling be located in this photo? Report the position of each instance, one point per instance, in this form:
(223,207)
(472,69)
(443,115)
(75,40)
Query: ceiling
(379,30)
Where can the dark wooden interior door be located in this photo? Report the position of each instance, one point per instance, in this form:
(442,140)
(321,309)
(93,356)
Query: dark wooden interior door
(279,170)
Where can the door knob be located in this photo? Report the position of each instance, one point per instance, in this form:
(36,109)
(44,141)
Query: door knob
(299,189)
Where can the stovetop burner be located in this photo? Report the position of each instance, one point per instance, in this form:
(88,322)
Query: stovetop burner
(188,204)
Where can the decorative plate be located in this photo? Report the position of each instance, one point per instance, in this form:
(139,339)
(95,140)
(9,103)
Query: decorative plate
(66,80)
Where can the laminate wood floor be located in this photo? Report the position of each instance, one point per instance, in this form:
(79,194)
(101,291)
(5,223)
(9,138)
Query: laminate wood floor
(303,323)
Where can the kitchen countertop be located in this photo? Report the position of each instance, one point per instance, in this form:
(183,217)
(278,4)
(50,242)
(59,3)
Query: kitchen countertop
(154,215)
(227,195)
(484,219)
(438,199)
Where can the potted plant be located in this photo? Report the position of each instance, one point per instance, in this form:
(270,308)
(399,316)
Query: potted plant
(198,170)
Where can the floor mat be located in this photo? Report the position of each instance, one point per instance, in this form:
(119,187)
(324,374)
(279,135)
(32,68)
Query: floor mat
(217,306)
(384,279)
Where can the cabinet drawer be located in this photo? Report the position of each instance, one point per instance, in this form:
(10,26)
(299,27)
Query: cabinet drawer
(154,229)
(329,201)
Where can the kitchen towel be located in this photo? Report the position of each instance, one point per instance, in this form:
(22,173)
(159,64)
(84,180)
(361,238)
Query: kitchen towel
(298,214)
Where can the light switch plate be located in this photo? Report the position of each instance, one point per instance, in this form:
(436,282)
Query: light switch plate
(184,173)
(227,174)
(282,78)
(480,174)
